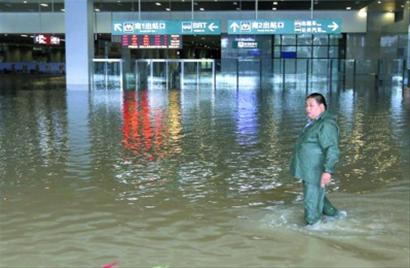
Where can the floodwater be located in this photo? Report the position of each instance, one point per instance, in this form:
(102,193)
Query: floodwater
(195,177)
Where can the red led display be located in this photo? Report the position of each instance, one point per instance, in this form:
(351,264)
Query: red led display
(152,41)
(46,39)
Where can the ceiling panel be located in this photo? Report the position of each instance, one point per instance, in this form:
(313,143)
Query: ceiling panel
(185,5)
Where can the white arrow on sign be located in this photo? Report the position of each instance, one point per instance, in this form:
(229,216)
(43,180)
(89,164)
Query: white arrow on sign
(333,26)
(212,27)
(234,26)
(118,27)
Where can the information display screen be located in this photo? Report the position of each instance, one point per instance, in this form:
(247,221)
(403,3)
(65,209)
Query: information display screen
(46,39)
(152,41)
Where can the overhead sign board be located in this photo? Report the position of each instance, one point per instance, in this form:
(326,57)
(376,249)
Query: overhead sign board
(153,27)
(319,26)
(200,27)
(259,26)
(325,26)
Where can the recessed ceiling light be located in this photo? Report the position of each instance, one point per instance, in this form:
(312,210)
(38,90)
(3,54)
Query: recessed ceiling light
(275,3)
(202,9)
(379,2)
(348,8)
(158,4)
(238,8)
(97,10)
(43,5)
(168,9)
(235,3)
(62,10)
(274,8)
(25,2)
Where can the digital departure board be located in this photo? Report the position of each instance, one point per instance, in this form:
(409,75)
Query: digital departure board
(46,39)
(152,41)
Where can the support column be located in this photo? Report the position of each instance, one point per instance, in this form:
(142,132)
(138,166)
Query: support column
(79,43)
(408,58)
(126,68)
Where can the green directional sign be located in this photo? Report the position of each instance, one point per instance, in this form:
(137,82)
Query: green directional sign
(204,27)
(181,27)
(259,26)
(300,26)
(325,26)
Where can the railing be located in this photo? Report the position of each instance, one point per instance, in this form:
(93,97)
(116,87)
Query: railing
(305,73)
(108,74)
(169,71)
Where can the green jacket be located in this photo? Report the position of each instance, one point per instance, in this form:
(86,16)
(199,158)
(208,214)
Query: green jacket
(316,150)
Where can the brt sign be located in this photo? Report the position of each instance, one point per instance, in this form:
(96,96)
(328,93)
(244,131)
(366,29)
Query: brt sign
(200,27)
(180,27)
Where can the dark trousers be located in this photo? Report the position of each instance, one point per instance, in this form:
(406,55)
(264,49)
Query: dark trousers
(316,203)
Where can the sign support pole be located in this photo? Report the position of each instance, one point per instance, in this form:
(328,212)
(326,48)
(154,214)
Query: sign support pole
(256,9)
(139,9)
(192,9)
(311,9)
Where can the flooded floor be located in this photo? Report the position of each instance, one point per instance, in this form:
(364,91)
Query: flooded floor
(195,177)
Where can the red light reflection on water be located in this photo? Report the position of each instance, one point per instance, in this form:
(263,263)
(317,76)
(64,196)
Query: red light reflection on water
(143,129)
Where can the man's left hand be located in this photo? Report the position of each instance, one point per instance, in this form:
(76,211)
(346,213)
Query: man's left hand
(325,180)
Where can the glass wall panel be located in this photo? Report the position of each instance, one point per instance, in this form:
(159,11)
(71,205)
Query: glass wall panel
(319,70)
(334,39)
(320,39)
(308,46)
(277,40)
(333,52)
(320,52)
(289,49)
(304,39)
(304,52)
(288,39)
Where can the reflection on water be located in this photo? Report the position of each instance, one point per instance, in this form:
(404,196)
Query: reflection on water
(195,178)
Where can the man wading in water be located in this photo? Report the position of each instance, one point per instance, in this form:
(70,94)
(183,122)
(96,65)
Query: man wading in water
(313,162)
